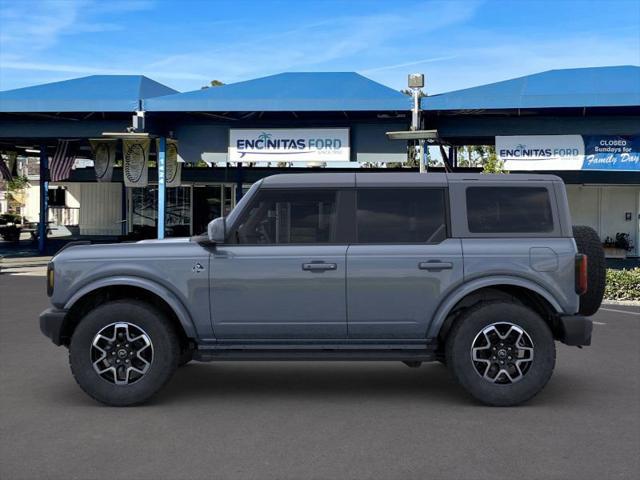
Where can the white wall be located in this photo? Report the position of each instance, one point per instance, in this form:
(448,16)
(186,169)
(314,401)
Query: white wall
(100,208)
(604,209)
(31,209)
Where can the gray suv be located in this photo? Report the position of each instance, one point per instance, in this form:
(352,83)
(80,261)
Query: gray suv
(480,272)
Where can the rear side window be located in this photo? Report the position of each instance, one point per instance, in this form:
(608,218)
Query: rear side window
(290,216)
(509,210)
(408,215)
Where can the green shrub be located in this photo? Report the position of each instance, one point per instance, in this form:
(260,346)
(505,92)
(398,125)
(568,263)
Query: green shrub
(623,284)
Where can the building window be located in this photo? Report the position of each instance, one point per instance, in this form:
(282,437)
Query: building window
(144,212)
(57,197)
(290,217)
(408,215)
(509,210)
(178,212)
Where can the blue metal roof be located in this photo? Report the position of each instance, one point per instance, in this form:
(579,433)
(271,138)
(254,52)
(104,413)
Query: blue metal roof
(96,93)
(576,87)
(299,92)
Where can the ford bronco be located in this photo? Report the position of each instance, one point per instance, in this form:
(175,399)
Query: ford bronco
(480,272)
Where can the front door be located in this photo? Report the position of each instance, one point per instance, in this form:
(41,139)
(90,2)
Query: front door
(282,273)
(402,263)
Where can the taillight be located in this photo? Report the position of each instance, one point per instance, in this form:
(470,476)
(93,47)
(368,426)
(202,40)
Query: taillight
(50,279)
(581,274)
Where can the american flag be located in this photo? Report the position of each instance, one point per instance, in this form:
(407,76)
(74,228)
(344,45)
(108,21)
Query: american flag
(5,173)
(62,161)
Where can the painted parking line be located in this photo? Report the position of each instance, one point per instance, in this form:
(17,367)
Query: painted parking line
(598,323)
(620,311)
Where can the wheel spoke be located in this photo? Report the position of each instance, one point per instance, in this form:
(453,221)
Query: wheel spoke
(502,353)
(114,350)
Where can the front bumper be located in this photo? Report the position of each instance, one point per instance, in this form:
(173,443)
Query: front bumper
(575,330)
(52,323)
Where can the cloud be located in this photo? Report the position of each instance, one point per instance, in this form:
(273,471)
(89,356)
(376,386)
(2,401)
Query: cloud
(89,70)
(349,40)
(29,27)
(502,57)
(409,64)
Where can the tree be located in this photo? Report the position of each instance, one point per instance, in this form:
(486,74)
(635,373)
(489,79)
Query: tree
(213,83)
(493,164)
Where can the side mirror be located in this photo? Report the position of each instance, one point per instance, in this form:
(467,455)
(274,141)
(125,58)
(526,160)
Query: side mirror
(217,230)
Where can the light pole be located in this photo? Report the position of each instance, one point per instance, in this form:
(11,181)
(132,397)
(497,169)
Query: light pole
(416,83)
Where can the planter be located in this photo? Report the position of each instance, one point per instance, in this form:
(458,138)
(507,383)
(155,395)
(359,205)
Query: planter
(613,252)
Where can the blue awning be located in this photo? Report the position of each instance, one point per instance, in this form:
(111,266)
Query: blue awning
(577,87)
(96,93)
(288,92)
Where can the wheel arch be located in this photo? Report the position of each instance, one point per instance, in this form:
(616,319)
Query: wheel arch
(117,288)
(526,291)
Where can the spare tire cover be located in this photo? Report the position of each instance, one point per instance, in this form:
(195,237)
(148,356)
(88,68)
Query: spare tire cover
(588,243)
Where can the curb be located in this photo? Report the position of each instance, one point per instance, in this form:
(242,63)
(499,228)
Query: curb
(17,263)
(630,303)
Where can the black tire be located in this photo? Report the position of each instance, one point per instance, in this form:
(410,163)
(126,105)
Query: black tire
(588,243)
(165,352)
(468,328)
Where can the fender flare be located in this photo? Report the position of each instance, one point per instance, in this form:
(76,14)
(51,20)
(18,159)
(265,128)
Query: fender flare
(174,303)
(465,289)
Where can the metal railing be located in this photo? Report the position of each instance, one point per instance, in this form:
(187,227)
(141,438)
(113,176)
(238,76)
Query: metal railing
(64,215)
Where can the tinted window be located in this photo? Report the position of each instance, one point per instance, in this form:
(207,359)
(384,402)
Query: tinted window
(509,210)
(408,215)
(290,216)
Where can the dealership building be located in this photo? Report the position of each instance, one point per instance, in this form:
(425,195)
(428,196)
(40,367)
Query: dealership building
(210,145)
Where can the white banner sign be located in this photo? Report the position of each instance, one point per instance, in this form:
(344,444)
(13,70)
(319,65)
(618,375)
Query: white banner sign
(289,145)
(136,162)
(540,152)
(104,157)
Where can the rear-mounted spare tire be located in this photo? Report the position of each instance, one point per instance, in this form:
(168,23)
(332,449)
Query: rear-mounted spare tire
(589,244)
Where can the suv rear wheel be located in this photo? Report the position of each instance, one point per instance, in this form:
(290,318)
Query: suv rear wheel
(123,352)
(502,353)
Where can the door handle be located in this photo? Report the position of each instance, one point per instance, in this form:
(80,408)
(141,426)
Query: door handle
(319,266)
(435,266)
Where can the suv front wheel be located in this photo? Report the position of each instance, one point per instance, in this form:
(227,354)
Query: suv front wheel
(123,352)
(502,353)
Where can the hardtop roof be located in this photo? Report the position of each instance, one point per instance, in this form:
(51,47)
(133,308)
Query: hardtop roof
(393,179)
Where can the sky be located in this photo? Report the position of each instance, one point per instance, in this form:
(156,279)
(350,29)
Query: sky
(185,44)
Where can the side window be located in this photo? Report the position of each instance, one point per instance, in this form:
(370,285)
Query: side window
(509,210)
(289,216)
(401,215)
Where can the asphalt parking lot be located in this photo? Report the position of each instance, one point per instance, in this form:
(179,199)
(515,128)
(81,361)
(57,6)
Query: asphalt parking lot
(315,420)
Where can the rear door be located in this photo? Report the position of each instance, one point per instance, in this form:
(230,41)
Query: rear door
(401,263)
(282,275)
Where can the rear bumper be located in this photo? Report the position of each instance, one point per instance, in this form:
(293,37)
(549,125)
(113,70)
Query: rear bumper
(575,330)
(51,323)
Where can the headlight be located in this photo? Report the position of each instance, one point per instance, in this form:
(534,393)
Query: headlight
(50,278)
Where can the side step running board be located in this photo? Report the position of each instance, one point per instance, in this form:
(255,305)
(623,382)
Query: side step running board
(402,355)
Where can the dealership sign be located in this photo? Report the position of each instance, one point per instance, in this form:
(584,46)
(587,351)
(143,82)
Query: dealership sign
(611,152)
(289,145)
(541,152)
(569,152)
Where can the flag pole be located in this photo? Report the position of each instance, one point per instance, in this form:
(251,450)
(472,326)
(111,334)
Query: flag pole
(44,199)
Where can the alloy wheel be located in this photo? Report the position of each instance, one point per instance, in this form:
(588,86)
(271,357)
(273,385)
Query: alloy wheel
(502,353)
(121,353)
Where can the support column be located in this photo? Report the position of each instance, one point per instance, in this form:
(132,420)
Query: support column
(162,190)
(239,181)
(44,200)
(124,231)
